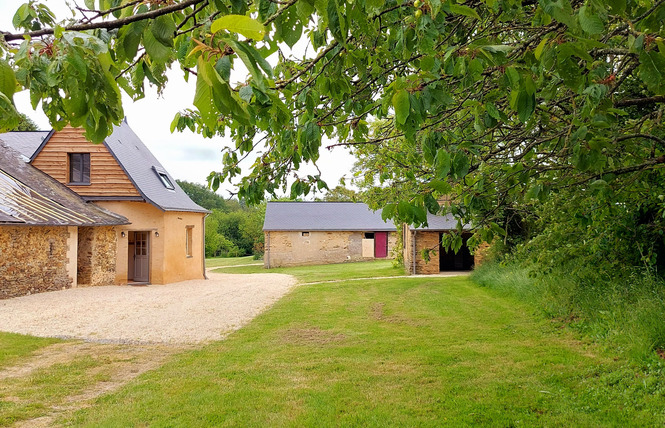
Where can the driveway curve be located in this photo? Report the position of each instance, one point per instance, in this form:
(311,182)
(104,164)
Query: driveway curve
(186,312)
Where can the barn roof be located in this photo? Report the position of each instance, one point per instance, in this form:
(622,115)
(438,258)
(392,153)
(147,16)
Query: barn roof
(338,216)
(439,222)
(145,171)
(323,216)
(25,142)
(30,197)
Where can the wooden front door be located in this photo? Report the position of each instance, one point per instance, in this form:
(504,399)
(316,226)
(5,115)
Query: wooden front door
(142,257)
(381,245)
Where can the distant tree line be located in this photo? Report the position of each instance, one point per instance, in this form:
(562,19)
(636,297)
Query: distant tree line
(232,229)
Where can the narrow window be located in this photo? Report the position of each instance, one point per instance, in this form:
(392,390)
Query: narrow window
(305,234)
(165,180)
(188,240)
(79,168)
(369,235)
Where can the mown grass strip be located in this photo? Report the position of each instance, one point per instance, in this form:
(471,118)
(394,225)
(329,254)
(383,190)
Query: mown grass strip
(231,261)
(407,351)
(333,272)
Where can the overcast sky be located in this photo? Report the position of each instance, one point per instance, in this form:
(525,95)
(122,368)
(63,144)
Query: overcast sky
(187,156)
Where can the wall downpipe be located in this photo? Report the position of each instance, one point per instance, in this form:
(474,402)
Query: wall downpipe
(203,247)
(413,246)
(266,251)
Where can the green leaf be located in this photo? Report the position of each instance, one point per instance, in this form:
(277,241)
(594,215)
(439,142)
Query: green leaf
(248,27)
(441,186)
(431,204)
(388,211)
(334,23)
(526,104)
(652,71)
(402,106)
(441,164)
(459,9)
(163,28)
(539,49)
(155,49)
(246,93)
(460,164)
(130,37)
(7,80)
(589,22)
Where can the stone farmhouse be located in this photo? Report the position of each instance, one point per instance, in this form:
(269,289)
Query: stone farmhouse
(307,233)
(127,219)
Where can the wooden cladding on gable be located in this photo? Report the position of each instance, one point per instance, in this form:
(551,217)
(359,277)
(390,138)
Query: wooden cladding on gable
(107,178)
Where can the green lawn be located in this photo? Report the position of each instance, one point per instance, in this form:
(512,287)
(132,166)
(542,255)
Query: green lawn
(15,346)
(334,272)
(231,261)
(398,352)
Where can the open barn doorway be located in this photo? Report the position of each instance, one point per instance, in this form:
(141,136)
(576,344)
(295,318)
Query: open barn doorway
(449,261)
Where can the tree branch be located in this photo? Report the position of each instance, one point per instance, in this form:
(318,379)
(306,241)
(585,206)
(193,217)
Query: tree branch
(106,24)
(640,101)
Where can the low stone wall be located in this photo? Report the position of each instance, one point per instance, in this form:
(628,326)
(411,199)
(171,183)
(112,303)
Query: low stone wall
(96,256)
(33,259)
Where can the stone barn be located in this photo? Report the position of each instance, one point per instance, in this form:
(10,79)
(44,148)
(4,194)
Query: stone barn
(310,233)
(416,240)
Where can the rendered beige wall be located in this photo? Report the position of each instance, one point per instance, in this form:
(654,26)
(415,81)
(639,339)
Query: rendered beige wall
(143,217)
(177,265)
(290,248)
(168,261)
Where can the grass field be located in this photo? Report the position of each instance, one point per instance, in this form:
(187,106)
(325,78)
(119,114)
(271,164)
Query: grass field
(392,351)
(232,261)
(334,272)
(407,351)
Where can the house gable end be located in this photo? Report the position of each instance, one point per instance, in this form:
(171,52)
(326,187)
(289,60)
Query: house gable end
(107,178)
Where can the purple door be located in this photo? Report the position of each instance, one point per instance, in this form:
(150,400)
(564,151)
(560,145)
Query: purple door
(380,245)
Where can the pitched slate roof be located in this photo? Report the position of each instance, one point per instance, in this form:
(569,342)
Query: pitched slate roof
(25,142)
(323,216)
(439,222)
(142,168)
(338,216)
(30,197)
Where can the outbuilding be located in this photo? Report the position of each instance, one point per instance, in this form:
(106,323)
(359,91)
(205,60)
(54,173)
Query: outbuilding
(309,233)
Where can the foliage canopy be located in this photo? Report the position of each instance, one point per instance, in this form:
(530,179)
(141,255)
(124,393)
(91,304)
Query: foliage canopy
(498,103)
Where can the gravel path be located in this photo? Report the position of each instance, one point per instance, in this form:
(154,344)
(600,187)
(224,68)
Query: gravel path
(182,313)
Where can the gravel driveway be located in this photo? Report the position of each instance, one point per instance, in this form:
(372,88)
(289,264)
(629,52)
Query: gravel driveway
(182,313)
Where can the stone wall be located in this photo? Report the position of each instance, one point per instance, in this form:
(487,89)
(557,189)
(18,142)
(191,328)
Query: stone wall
(481,253)
(33,260)
(291,248)
(96,256)
(424,240)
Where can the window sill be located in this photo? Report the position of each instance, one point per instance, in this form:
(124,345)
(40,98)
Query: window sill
(78,184)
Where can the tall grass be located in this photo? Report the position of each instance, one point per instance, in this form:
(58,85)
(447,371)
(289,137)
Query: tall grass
(627,313)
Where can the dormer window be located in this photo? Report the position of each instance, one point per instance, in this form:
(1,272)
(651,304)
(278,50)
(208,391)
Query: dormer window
(164,178)
(79,168)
